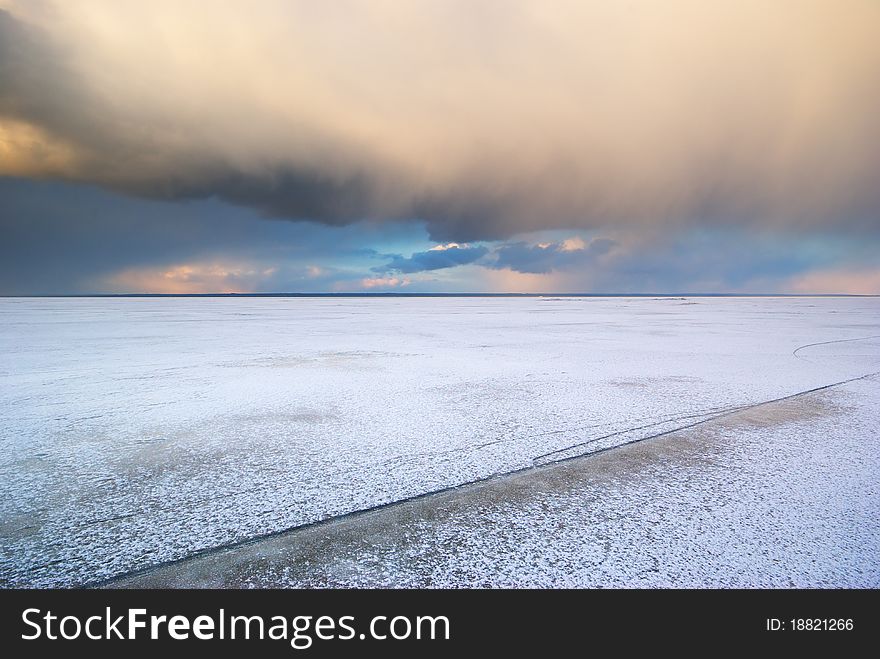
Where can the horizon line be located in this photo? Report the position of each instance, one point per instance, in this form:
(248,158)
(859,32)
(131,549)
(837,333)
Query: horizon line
(427,294)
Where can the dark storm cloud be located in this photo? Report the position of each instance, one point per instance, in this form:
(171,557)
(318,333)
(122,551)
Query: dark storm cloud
(290,194)
(448,256)
(63,238)
(482,119)
(549,257)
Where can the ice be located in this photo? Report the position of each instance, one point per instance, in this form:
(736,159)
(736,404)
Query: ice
(779,495)
(137,431)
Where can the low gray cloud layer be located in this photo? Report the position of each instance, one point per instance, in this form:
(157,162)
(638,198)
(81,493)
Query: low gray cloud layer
(447,256)
(519,256)
(62,238)
(483,119)
(547,257)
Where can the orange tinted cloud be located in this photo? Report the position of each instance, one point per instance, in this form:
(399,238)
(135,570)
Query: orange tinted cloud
(509,281)
(842,281)
(187,279)
(27,150)
(384,282)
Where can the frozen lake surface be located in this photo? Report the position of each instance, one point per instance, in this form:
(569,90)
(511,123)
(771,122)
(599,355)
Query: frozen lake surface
(778,495)
(141,430)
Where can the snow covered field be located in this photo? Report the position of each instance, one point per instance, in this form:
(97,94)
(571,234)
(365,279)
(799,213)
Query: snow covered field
(138,431)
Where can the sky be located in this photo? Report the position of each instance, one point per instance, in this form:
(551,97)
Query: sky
(543,146)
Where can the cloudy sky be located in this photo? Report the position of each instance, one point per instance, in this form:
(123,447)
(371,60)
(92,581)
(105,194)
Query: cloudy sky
(192,146)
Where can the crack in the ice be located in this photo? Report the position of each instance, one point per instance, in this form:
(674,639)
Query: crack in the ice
(824,343)
(336,518)
(405,459)
(685,427)
(718,413)
(667,418)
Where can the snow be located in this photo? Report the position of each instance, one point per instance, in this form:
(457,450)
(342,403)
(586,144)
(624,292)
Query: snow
(781,495)
(137,431)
